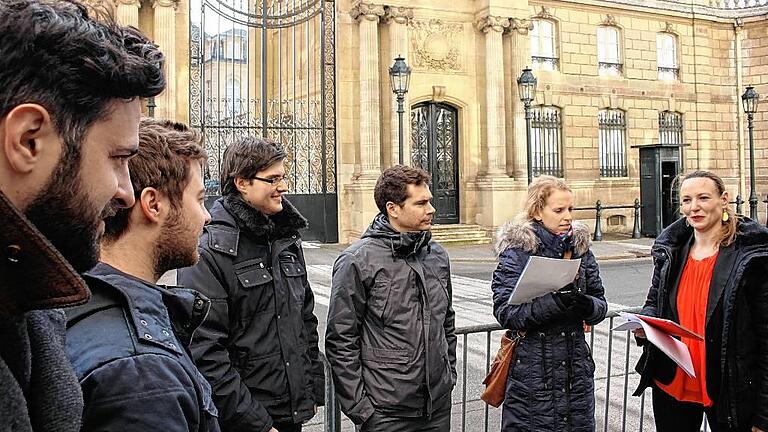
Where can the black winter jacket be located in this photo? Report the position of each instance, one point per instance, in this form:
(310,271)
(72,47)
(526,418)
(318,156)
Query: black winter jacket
(128,348)
(736,328)
(390,337)
(258,347)
(550,385)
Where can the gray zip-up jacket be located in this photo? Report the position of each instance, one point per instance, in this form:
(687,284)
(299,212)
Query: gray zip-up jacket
(390,337)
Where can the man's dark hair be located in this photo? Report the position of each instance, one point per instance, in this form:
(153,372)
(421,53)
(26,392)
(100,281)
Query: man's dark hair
(246,158)
(54,54)
(393,183)
(166,150)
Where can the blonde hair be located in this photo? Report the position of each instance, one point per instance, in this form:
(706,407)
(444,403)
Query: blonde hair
(538,191)
(728,230)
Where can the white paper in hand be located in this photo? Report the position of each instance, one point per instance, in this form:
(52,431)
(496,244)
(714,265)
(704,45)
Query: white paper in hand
(543,275)
(670,346)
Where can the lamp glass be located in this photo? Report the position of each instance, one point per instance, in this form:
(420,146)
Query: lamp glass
(526,86)
(749,99)
(399,76)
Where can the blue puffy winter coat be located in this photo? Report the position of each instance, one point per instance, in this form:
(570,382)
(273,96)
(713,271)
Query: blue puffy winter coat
(551,378)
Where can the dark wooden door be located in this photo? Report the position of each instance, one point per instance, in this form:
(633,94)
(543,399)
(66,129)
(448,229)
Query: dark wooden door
(434,148)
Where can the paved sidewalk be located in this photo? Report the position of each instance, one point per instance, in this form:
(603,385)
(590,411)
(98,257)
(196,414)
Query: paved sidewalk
(615,248)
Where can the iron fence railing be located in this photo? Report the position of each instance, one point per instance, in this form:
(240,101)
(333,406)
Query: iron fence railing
(614,352)
(599,208)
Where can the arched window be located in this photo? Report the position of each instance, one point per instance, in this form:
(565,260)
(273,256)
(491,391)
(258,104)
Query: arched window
(609,51)
(544,45)
(233,100)
(666,56)
(546,141)
(612,137)
(670,128)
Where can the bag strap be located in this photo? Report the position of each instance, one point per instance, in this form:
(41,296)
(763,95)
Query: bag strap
(568,254)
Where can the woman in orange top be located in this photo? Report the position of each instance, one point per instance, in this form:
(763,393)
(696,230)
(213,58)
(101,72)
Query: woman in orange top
(711,276)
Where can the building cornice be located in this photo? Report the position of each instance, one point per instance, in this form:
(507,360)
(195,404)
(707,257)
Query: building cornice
(713,9)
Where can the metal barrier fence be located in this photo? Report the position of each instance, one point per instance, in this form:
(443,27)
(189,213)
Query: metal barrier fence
(614,352)
(599,208)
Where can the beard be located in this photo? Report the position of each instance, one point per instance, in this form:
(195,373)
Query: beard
(64,214)
(177,245)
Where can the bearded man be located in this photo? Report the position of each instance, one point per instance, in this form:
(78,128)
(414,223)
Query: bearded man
(128,344)
(69,116)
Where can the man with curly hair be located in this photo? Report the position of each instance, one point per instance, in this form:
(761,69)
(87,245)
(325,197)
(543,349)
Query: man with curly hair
(69,113)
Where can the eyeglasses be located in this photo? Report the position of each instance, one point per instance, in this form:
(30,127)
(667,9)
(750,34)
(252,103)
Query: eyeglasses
(272,181)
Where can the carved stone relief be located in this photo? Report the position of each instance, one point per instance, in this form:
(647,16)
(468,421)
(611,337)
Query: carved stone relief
(437,46)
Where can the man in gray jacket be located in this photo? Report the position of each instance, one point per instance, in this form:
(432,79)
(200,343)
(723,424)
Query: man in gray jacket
(390,337)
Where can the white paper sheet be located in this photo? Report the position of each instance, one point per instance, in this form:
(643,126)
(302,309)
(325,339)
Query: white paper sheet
(670,346)
(541,276)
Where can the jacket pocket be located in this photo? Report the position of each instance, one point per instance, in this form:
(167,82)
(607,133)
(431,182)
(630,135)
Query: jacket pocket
(379,298)
(253,275)
(255,292)
(381,355)
(294,271)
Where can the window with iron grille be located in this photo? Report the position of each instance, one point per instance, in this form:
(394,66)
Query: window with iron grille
(670,128)
(544,45)
(612,142)
(609,51)
(666,56)
(546,141)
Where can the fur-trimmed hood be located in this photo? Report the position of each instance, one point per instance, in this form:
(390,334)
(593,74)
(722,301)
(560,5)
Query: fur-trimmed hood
(247,218)
(525,235)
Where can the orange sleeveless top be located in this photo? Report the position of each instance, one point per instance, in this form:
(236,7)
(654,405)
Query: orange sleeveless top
(692,295)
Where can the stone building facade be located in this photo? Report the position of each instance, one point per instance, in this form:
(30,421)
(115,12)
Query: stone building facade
(612,75)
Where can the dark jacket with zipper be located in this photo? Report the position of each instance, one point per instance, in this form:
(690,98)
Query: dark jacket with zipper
(258,347)
(38,388)
(736,327)
(551,378)
(128,348)
(390,337)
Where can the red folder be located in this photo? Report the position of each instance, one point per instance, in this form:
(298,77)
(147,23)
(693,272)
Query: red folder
(670,327)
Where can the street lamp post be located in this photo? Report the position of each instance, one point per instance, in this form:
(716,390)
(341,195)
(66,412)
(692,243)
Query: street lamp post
(526,86)
(749,99)
(399,79)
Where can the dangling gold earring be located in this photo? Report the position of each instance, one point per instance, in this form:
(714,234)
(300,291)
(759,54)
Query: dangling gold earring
(687,222)
(726,216)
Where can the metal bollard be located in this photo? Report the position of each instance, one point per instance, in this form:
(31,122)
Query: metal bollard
(598,222)
(636,225)
(151,106)
(739,202)
(766,209)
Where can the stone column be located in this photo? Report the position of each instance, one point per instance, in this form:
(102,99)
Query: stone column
(165,38)
(128,12)
(368,15)
(495,158)
(398,19)
(521,58)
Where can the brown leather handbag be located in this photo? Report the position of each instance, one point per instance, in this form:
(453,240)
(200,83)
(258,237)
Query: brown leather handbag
(496,380)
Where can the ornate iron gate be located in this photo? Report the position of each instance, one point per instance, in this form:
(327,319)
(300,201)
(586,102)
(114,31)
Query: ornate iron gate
(267,68)
(434,144)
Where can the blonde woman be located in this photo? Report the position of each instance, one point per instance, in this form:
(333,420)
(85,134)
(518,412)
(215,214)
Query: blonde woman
(710,276)
(550,385)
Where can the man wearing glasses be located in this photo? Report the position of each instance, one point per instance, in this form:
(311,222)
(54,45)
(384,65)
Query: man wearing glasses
(258,346)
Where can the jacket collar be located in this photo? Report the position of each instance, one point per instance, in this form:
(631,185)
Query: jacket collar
(256,223)
(157,312)
(33,274)
(678,238)
(402,244)
(529,236)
